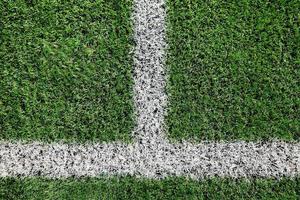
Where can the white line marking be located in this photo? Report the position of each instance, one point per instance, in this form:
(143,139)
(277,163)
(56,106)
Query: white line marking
(238,159)
(151,155)
(149,74)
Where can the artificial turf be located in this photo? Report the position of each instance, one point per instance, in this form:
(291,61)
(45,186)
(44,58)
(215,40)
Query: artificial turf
(65,70)
(233,69)
(132,188)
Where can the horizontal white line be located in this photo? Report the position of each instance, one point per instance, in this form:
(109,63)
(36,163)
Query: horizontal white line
(238,159)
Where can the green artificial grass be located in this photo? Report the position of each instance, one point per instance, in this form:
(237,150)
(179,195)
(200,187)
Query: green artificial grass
(234,69)
(65,70)
(131,188)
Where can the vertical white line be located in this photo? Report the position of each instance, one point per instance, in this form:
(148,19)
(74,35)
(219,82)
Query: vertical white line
(149,73)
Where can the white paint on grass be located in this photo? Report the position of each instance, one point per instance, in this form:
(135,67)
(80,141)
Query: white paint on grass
(149,74)
(238,159)
(151,155)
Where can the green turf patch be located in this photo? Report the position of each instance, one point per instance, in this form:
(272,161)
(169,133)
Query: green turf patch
(233,70)
(130,188)
(66,72)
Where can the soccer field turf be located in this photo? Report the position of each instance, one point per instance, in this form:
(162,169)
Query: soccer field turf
(129,99)
(233,70)
(132,188)
(66,72)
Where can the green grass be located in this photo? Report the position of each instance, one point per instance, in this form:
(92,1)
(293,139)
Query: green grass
(234,69)
(65,70)
(131,188)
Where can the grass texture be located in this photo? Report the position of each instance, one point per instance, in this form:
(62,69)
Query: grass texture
(66,71)
(234,69)
(131,188)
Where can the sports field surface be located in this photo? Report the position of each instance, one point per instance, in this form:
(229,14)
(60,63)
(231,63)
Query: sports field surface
(66,70)
(132,188)
(234,70)
(149,99)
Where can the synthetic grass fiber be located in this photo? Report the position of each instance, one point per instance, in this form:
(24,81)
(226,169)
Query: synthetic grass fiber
(132,188)
(66,70)
(233,70)
(151,155)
